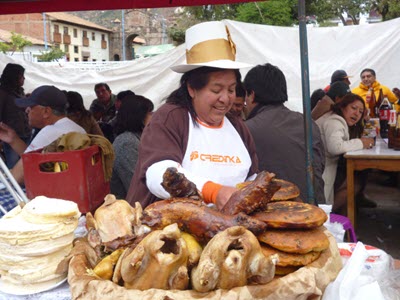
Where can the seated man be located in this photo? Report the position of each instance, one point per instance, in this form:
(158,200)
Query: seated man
(46,108)
(368,80)
(105,103)
(278,132)
(338,75)
(239,104)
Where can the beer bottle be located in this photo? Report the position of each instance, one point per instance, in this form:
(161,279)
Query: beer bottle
(379,101)
(384,111)
(372,105)
(396,139)
(392,128)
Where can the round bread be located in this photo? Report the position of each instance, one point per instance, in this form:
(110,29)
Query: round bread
(296,241)
(41,210)
(291,214)
(290,259)
(287,191)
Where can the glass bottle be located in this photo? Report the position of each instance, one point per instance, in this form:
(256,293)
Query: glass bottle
(384,112)
(372,105)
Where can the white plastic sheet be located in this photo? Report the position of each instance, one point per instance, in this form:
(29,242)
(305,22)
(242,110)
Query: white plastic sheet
(351,48)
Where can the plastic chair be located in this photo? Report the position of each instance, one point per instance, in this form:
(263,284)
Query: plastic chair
(345,221)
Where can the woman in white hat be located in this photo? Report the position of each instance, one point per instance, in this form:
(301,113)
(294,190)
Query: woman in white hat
(193,130)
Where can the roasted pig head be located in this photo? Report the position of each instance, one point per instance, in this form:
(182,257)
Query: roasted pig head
(115,224)
(232,258)
(158,261)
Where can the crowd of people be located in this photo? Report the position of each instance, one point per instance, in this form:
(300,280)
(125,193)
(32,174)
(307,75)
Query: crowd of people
(215,128)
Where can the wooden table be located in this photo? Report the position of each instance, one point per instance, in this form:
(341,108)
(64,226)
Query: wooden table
(379,157)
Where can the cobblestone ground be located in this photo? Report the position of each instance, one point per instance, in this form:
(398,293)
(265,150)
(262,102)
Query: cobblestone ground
(380,226)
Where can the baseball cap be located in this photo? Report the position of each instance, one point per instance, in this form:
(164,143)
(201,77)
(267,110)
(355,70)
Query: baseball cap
(339,75)
(45,95)
(338,89)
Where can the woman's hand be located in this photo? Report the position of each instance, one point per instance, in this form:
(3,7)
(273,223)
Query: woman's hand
(7,134)
(368,143)
(223,195)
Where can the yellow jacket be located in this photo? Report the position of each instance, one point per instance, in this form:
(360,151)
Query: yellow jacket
(362,89)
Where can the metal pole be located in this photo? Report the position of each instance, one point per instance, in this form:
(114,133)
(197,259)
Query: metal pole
(44,31)
(123,34)
(305,84)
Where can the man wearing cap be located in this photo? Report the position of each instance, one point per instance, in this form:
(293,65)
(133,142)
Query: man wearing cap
(338,75)
(336,92)
(46,108)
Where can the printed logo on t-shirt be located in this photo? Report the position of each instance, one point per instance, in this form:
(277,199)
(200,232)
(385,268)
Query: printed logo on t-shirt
(215,158)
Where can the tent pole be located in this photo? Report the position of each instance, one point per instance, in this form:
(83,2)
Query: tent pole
(305,84)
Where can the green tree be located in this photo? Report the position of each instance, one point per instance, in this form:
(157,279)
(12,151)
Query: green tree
(4,47)
(212,12)
(273,12)
(388,9)
(17,43)
(53,54)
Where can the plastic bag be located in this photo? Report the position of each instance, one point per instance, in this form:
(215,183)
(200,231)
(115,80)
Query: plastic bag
(336,229)
(355,281)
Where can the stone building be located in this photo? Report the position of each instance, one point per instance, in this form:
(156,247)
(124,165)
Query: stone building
(81,40)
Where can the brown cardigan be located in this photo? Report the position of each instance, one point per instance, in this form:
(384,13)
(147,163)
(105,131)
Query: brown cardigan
(166,138)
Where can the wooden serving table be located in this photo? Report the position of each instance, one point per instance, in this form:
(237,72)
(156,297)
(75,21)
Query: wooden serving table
(379,157)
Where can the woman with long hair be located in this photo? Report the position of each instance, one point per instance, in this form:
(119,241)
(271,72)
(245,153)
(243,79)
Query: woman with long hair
(341,131)
(77,112)
(11,81)
(134,114)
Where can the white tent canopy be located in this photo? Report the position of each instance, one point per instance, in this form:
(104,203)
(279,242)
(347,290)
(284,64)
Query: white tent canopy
(351,48)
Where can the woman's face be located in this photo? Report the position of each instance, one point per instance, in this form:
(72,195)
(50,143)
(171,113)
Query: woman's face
(367,78)
(213,101)
(353,112)
(21,80)
(148,118)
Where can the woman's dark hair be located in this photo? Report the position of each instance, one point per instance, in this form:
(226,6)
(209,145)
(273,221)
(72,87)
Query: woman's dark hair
(316,96)
(132,114)
(75,104)
(356,130)
(368,70)
(10,77)
(268,83)
(121,95)
(197,79)
(240,90)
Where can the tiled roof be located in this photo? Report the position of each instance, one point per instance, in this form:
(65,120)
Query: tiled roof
(60,16)
(5,36)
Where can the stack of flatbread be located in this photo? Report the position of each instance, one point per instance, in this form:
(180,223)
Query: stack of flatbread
(33,241)
(295,230)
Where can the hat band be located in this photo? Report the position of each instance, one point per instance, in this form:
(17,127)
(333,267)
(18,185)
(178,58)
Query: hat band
(211,50)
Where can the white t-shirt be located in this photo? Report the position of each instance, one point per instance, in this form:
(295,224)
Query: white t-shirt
(212,154)
(50,133)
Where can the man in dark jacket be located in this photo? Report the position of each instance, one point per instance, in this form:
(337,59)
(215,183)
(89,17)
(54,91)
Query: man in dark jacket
(279,132)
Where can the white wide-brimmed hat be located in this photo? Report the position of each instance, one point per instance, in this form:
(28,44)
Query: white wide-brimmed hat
(209,44)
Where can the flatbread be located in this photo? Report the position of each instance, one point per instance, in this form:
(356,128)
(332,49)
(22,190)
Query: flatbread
(291,214)
(296,241)
(290,259)
(287,191)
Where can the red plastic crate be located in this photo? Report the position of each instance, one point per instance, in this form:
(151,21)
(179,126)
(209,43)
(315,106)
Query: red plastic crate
(83,182)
